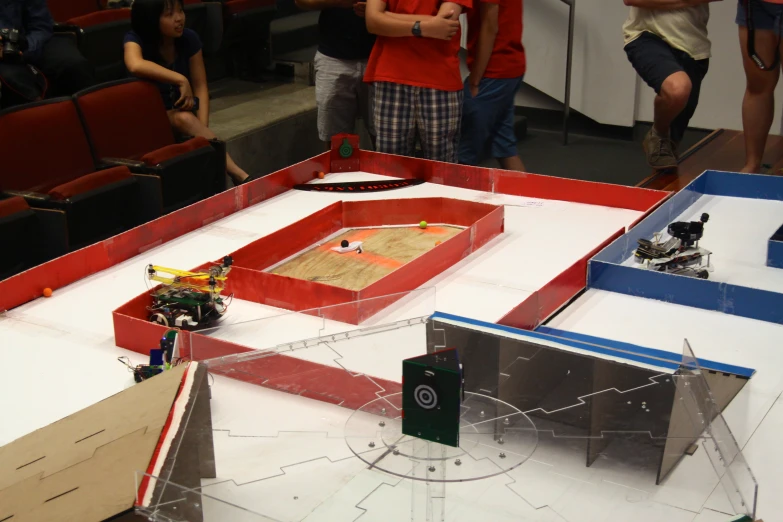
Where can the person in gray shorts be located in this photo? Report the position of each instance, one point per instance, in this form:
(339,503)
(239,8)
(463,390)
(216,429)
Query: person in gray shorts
(343,50)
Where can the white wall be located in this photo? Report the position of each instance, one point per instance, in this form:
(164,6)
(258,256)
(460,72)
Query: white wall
(604,85)
(527,96)
(720,103)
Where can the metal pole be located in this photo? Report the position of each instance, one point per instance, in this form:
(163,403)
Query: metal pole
(567,102)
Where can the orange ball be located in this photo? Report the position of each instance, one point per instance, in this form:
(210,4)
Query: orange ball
(321,175)
(437,243)
(47,292)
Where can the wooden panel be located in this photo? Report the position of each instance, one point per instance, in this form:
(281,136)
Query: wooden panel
(193,457)
(384,250)
(721,150)
(57,473)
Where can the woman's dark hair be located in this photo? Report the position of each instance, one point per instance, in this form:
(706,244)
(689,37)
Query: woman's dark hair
(145,20)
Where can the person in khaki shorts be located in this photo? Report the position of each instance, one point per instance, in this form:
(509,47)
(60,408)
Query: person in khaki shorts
(667,43)
(344,47)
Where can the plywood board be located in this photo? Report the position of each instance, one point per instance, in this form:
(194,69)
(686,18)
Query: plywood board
(191,456)
(383,251)
(83,467)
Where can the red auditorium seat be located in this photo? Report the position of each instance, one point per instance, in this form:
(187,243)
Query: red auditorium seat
(47,161)
(127,124)
(29,236)
(100,33)
(16,227)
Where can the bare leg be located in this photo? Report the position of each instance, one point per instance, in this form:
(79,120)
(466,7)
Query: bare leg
(669,103)
(512,163)
(187,123)
(758,105)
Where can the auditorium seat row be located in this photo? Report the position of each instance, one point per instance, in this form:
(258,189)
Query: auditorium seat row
(230,28)
(84,168)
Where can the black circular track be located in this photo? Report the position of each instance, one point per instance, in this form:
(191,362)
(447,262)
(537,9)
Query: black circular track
(360,186)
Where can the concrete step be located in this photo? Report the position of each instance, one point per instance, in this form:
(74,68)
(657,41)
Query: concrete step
(270,125)
(298,64)
(267,126)
(303,55)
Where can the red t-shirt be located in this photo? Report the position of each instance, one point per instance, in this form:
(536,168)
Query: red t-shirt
(508,56)
(421,62)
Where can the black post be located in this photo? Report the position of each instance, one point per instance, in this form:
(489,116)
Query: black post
(567,101)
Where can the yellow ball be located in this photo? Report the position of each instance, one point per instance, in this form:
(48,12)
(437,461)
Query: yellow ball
(423,224)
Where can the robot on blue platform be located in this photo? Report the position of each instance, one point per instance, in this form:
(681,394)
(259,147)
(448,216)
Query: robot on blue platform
(680,254)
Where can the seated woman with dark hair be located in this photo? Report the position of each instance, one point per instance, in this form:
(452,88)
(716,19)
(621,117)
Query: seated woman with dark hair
(161,49)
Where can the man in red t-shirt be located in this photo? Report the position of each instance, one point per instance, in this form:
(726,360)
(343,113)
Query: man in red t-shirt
(414,68)
(496,59)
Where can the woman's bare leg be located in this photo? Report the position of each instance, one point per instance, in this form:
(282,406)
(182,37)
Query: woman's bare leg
(758,105)
(187,123)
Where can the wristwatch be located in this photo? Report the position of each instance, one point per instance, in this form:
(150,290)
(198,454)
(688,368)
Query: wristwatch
(416,30)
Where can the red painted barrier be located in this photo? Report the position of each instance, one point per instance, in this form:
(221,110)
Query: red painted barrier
(513,183)
(577,191)
(133,331)
(269,250)
(555,294)
(308,379)
(249,281)
(77,265)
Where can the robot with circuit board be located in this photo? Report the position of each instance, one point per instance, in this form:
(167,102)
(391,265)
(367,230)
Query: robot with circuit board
(189,300)
(680,254)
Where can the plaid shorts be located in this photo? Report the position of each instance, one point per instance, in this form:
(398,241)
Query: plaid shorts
(405,112)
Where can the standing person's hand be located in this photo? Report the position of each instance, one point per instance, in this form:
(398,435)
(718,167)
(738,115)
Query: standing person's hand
(440,27)
(186,101)
(474,88)
(360,8)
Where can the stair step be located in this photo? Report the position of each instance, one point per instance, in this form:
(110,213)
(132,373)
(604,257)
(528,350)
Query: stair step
(304,55)
(294,32)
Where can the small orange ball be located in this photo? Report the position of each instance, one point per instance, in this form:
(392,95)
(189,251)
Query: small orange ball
(47,292)
(321,175)
(437,243)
